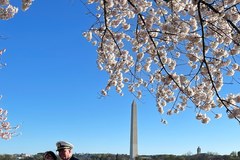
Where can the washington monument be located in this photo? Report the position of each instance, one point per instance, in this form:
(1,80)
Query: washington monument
(133,134)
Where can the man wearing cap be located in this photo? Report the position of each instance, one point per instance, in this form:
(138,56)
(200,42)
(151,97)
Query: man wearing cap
(65,150)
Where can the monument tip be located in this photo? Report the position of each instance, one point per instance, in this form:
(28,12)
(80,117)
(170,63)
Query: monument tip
(133,103)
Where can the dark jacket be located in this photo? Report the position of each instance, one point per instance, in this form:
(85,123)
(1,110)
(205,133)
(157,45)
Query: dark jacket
(73,158)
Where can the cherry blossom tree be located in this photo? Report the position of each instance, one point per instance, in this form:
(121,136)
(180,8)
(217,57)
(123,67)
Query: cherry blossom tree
(8,11)
(185,53)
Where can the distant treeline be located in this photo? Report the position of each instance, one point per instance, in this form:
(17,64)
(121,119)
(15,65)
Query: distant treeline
(204,156)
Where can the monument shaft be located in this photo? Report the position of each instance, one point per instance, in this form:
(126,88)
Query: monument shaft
(133,134)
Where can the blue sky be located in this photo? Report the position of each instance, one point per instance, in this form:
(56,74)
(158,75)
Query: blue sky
(51,86)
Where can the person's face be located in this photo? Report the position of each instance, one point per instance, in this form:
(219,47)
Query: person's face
(65,154)
(48,157)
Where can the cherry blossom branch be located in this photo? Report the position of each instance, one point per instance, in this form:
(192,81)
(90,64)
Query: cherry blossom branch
(170,76)
(216,11)
(206,64)
(8,11)
(176,50)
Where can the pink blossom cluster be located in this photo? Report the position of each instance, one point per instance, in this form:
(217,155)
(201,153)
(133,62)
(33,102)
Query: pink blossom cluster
(6,131)
(4,2)
(8,11)
(181,51)
(26,4)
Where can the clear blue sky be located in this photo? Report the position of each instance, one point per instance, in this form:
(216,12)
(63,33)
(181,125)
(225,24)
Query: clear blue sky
(51,88)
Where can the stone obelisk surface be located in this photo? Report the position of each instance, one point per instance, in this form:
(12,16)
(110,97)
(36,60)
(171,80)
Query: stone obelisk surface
(133,134)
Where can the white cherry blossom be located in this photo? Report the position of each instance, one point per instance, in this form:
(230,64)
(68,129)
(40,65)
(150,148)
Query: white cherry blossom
(8,11)
(182,52)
